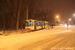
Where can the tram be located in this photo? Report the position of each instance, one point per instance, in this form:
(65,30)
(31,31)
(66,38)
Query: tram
(35,24)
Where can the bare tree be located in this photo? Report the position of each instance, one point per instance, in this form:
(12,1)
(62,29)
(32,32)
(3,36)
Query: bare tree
(17,25)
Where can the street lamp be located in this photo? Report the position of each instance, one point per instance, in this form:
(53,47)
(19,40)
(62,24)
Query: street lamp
(57,17)
(70,19)
(57,20)
(74,14)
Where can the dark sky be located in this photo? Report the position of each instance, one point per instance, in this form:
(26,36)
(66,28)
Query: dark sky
(63,8)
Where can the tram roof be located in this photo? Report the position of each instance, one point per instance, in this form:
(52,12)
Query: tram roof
(38,20)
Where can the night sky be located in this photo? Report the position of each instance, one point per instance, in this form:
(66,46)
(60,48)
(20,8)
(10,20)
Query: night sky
(64,8)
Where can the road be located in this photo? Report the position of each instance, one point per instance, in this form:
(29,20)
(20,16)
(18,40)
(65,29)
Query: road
(54,39)
(62,41)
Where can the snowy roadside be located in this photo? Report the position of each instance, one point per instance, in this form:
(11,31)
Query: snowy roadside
(11,32)
(18,40)
(7,41)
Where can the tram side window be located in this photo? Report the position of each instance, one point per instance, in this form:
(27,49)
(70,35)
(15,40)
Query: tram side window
(42,23)
(46,23)
(38,23)
(29,23)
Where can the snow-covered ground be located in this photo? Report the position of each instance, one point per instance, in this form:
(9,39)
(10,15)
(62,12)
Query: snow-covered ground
(16,41)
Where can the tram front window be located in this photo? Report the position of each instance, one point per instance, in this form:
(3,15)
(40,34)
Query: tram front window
(29,23)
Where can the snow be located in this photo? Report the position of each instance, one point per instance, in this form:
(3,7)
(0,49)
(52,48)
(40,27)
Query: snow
(15,41)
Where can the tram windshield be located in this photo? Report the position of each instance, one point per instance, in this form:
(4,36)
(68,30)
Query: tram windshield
(29,23)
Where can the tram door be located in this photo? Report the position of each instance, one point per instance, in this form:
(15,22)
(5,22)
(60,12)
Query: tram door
(34,25)
(44,24)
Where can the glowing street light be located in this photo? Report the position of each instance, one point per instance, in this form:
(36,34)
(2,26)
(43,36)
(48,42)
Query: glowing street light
(74,14)
(70,19)
(57,17)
